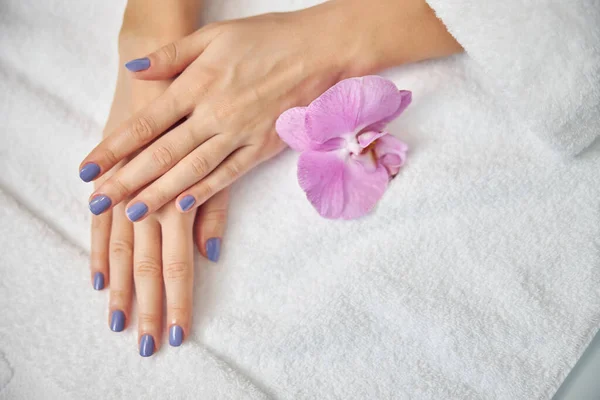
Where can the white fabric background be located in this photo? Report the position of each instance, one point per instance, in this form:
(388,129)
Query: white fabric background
(477,277)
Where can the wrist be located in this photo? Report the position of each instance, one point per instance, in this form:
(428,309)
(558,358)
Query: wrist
(386,33)
(147,27)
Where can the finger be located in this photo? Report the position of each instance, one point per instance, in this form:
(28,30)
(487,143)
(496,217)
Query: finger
(160,115)
(178,274)
(147,269)
(99,250)
(151,163)
(236,165)
(121,261)
(146,166)
(172,58)
(194,167)
(210,223)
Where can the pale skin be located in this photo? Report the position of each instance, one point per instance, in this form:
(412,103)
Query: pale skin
(210,116)
(158,252)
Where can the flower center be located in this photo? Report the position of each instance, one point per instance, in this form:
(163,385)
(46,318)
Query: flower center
(365,156)
(353,146)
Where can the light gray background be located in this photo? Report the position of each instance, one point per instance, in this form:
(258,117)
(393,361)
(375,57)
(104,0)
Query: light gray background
(583,383)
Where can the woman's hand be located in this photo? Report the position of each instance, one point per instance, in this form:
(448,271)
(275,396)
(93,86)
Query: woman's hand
(163,257)
(237,78)
(159,250)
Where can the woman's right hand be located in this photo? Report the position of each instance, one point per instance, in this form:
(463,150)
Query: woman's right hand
(157,253)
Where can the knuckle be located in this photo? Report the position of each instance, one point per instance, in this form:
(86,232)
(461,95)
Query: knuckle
(163,157)
(201,89)
(177,271)
(158,196)
(98,259)
(199,166)
(142,129)
(147,267)
(169,53)
(205,191)
(218,215)
(148,318)
(101,221)
(178,310)
(119,188)
(110,156)
(223,112)
(118,297)
(233,170)
(121,249)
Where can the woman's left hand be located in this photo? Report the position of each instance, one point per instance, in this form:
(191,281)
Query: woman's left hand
(237,78)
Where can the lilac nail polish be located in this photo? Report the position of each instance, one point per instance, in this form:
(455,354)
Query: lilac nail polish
(175,336)
(117,321)
(139,64)
(187,202)
(99,204)
(146,346)
(98,281)
(213,249)
(136,211)
(89,172)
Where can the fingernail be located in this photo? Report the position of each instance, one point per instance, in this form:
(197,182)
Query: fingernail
(139,64)
(213,249)
(98,281)
(187,202)
(146,346)
(89,172)
(99,204)
(117,321)
(136,211)
(175,335)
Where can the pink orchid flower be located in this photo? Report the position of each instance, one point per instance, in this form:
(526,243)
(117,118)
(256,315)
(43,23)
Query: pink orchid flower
(347,156)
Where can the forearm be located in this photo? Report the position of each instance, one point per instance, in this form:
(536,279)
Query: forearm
(160,21)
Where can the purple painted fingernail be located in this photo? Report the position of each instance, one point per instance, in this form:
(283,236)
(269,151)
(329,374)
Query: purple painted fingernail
(89,172)
(175,335)
(146,346)
(139,64)
(98,281)
(187,202)
(213,249)
(136,211)
(99,204)
(117,321)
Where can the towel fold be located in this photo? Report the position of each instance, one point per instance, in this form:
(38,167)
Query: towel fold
(539,59)
(54,325)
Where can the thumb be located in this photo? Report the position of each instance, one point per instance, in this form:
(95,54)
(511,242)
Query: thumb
(170,59)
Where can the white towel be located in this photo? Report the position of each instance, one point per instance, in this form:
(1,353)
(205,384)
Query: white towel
(55,329)
(540,59)
(476,278)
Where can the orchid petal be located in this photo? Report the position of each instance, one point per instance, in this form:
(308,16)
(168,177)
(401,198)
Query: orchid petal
(351,104)
(291,128)
(320,175)
(366,138)
(362,189)
(391,153)
(406,99)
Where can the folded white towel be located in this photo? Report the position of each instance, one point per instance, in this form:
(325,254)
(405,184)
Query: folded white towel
(539,59)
